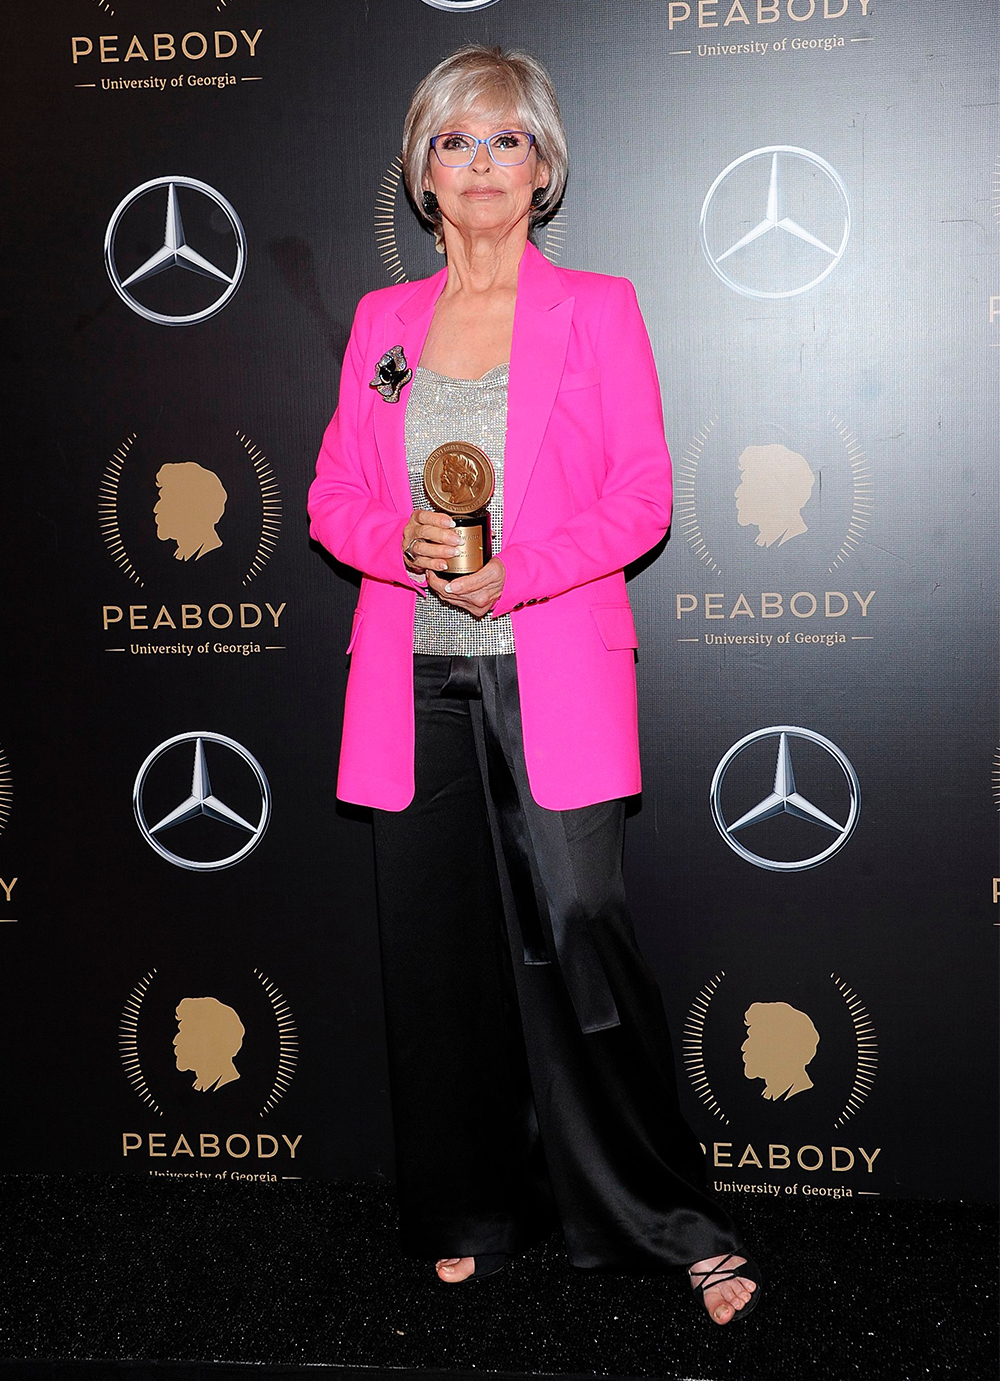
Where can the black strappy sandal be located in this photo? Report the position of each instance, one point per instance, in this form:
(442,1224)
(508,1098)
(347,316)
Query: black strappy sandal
(718,1275)
(486,1265)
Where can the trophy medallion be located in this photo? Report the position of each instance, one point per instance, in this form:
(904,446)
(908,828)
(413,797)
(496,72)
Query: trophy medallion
(459,480)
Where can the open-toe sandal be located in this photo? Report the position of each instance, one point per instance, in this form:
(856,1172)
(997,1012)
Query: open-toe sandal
(718,1275)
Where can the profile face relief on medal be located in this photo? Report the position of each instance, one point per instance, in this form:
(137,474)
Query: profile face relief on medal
(459,478)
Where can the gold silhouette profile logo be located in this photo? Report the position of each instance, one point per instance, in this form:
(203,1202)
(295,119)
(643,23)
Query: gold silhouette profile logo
(209,1036)
(775,486)
(192,500)
(780,1042)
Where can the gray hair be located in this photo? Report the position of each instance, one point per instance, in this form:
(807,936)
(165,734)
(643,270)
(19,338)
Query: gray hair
(490,81)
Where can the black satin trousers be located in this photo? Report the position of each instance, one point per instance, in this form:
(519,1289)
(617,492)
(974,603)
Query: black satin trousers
(531,1072)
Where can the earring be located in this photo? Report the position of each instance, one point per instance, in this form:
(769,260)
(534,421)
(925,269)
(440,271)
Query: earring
(430,203)
(538,196)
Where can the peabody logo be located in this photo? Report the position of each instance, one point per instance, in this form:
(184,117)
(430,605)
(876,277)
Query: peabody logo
(133,222)
(204,497)
(774,498)
(784,798)
(749,484)
(191,507)
(148,61)
(756,1043)
(404,246)
(203,818)
(779,256)
(208,1044)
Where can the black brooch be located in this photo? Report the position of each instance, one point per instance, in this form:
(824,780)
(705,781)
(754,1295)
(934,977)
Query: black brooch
(391,373)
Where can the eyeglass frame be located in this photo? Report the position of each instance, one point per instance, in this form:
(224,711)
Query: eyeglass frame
(532,143)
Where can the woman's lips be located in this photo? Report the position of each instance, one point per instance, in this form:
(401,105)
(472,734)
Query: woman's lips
(482,192)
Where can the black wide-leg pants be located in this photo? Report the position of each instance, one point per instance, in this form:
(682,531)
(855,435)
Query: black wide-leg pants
(531,1072)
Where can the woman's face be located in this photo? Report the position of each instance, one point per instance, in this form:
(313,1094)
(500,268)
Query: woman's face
(484,197)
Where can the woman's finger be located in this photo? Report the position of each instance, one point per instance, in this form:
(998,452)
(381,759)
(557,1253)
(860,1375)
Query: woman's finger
(429,540)
(477,602)
(489,577)
(448,540)
(434,527)
(434,561)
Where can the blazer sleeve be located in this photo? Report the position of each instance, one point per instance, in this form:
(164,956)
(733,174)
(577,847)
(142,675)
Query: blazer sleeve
(633,511)
(343,512)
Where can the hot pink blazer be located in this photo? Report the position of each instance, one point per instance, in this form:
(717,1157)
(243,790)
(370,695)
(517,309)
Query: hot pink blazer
(586,490)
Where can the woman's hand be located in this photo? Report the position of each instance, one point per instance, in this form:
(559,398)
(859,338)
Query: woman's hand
(429,539)
(476,593)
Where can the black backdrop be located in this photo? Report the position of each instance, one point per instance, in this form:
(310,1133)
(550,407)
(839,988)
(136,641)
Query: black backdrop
(851,344)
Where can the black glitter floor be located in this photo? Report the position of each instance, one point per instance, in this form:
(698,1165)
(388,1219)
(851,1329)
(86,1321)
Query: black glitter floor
(107,1271)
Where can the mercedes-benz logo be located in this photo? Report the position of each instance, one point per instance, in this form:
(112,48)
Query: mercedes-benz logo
(716,241)
(202,802)
(462,6)
(785,799)
(175,251)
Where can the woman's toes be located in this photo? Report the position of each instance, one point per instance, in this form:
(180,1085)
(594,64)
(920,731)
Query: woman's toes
(723,1312)
(720,1303)
(722,1297)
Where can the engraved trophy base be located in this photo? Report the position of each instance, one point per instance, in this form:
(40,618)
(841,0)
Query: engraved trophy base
(477,546)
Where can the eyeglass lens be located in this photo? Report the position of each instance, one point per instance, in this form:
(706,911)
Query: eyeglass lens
(508,148)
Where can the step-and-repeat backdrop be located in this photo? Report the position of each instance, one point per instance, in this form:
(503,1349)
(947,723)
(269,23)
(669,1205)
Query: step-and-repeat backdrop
(804,193)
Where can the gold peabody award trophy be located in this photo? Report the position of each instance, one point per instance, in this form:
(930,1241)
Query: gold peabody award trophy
(459,480)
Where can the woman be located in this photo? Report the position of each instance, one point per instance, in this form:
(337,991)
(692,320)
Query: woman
(490,718)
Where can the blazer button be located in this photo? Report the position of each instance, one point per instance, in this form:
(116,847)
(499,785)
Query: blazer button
(519,606)
(532,601)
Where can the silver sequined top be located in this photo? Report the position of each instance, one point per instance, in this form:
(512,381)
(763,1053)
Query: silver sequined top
(441,409)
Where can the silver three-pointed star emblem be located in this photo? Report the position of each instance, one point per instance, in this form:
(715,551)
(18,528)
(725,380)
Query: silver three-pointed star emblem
(175,252)
(784,798)
(202,802)
(829,202)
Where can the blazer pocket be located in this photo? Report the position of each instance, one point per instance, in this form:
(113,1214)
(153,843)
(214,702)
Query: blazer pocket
(584,379)
(615,625)
(359,615)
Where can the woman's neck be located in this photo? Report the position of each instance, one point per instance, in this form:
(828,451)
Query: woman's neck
(477,264)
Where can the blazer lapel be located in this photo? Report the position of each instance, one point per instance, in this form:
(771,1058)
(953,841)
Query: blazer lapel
(543,315)
(407,325)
